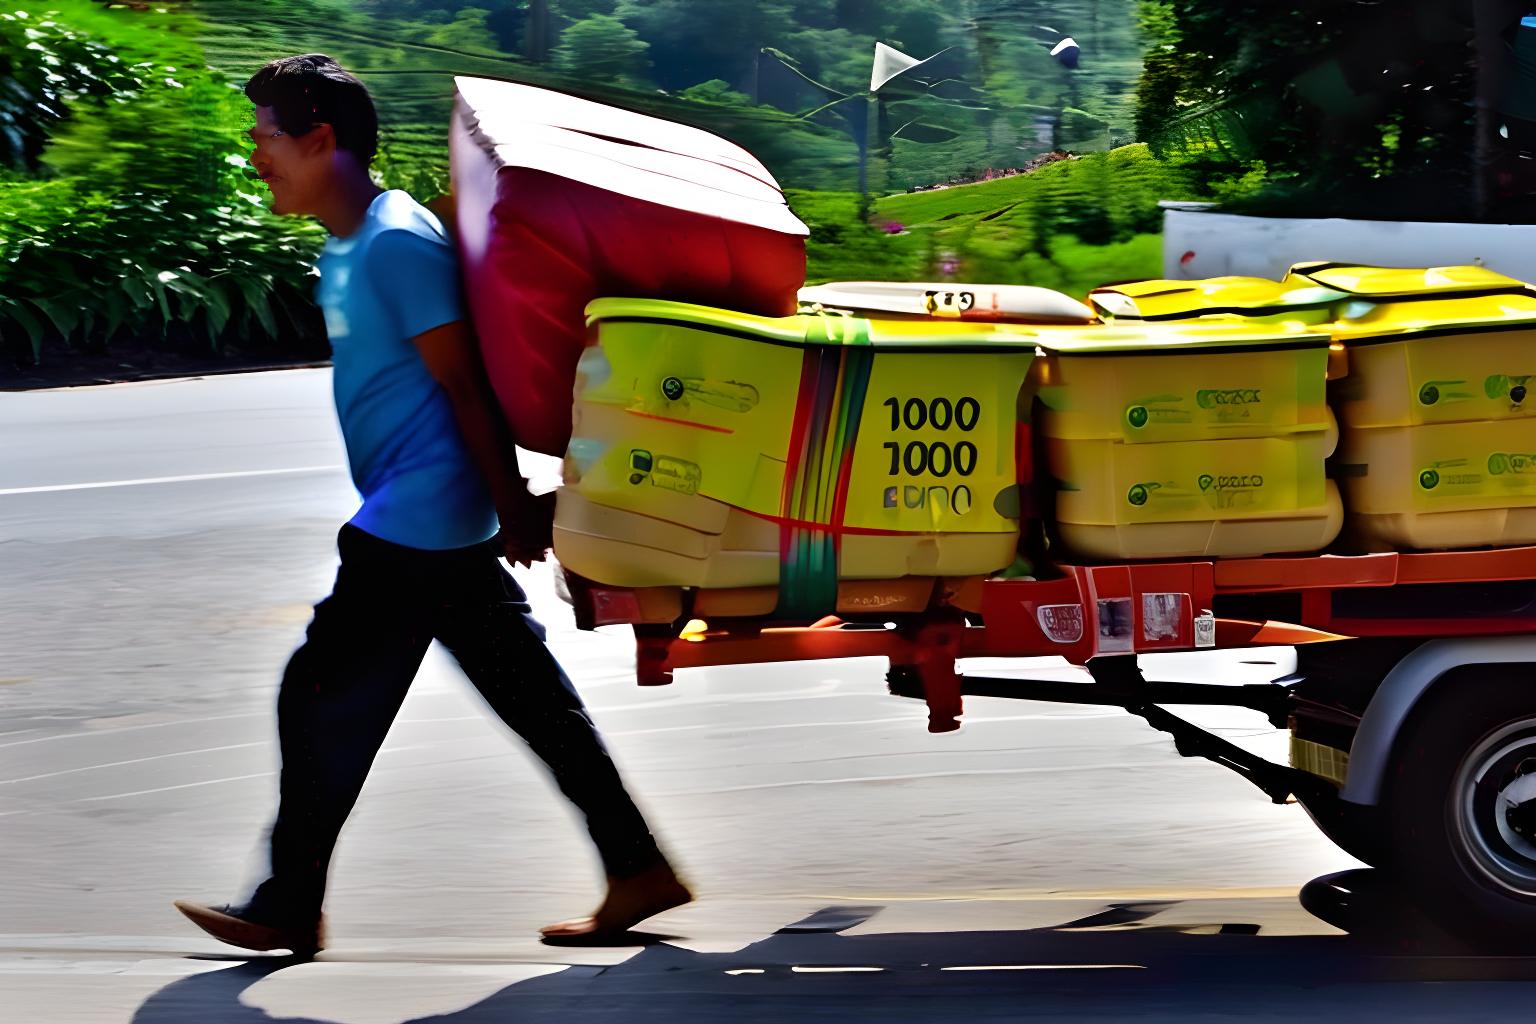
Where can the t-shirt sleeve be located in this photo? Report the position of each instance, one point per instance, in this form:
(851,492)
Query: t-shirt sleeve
(416,281)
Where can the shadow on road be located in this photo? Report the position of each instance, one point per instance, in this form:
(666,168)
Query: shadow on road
(1115,965)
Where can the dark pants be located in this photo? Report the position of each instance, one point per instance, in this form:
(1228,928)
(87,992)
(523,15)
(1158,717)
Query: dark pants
(343,688)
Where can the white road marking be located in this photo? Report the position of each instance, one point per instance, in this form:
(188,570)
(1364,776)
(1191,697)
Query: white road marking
(136,760)
(165,480)
(135,728)
(921,775)
(167,789)
(1049,967)
(833,970)
(720,727)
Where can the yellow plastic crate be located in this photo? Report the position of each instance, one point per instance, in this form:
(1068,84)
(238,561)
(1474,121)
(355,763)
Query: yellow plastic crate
(1444,361)
(1435,407)
(1188,440)
(1357,279)
(714,449)
(1242,497)
(1275,387)
(1440,485)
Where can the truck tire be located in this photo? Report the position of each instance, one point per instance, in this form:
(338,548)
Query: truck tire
(1461,805)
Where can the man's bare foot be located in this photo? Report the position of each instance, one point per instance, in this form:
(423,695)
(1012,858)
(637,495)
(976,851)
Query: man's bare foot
(629,901)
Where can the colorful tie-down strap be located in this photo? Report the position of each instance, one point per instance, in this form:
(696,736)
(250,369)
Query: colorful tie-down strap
(833,380)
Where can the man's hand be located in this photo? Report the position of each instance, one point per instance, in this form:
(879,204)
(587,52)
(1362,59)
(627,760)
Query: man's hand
(527,530)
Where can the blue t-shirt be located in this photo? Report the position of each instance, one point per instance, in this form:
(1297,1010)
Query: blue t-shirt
(394,278)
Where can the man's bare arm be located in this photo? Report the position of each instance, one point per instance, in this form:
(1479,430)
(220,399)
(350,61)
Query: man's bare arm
(453,358)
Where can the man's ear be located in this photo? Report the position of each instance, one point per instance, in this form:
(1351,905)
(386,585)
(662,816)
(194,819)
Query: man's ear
(318,141)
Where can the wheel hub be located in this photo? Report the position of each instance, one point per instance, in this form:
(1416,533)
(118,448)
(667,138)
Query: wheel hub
(1494,806)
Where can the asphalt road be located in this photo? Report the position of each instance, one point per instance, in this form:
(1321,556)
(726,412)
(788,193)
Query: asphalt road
(160,546)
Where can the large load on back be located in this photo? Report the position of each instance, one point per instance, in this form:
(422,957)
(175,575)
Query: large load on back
(561,200)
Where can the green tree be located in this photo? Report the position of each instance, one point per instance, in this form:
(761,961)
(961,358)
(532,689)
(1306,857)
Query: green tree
(1355,110)
(603,49)
(693,41)
(465,30)
(716,90)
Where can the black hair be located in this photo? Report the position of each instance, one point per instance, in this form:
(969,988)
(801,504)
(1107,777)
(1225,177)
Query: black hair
(313,89)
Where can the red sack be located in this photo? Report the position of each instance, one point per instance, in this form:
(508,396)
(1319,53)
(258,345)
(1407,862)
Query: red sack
(561,201)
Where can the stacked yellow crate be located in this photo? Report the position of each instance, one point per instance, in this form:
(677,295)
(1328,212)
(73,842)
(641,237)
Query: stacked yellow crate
(1439,430)
(1438,433)
(1188,440)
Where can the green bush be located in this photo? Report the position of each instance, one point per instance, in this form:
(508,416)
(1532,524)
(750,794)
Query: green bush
(1365,110)
(45,65)
(139,216)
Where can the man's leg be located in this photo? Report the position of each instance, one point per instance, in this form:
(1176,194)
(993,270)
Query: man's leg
(340,694)
(521,681)
(527,689)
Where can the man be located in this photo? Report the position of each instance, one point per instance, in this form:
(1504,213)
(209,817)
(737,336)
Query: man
(434,463)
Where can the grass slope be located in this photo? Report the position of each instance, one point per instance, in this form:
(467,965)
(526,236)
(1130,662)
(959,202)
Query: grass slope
(1072,225)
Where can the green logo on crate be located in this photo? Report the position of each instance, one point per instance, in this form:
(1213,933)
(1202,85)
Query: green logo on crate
(1206,480)
(1137,495)
(1500,463)
(1502,385)
(1210,399)
(1429,479)
(1137,416)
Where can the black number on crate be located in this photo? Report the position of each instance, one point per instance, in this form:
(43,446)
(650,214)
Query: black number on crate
(934,451)
(965,458)
(915,460)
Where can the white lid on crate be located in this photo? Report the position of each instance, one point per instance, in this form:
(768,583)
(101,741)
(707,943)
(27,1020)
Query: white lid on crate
(949,299)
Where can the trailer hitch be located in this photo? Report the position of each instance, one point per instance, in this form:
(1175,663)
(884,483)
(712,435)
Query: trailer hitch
(1277,781)
(1118,682)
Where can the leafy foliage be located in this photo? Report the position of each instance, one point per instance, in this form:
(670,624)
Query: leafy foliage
(603,49)
(45,65)
(143,219)
(1356,109)
(844,246)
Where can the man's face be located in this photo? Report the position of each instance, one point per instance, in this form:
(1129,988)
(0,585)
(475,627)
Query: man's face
(298,169)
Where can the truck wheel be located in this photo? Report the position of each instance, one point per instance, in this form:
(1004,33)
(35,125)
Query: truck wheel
(1461,805)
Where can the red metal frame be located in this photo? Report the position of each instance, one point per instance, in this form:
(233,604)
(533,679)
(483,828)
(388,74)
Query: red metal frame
(1099,610)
